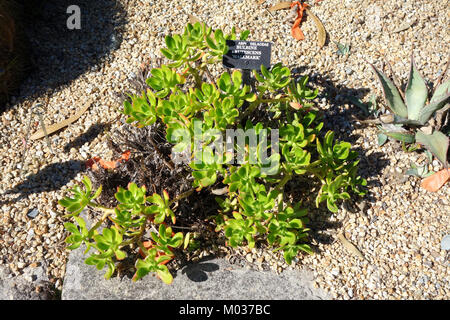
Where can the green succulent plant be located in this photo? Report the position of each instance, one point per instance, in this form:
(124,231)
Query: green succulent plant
(413,111)
(253,206)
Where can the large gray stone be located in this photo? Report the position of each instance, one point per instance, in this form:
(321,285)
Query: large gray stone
(210,279)
(32,284)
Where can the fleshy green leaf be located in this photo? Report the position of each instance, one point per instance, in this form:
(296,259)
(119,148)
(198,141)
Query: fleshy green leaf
(435,105)
(403,137)
(441,91)
(382,138)
(393,98)
(437,143)
(165,275)
(416,93)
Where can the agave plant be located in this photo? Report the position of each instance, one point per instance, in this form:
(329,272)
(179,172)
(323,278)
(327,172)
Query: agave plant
(413,110)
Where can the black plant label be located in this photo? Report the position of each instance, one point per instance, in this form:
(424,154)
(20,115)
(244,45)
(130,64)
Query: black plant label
(247,55)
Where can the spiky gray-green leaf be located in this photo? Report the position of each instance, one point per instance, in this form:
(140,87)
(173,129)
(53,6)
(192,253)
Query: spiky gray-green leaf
(437,143)
(391,94)
(416,93)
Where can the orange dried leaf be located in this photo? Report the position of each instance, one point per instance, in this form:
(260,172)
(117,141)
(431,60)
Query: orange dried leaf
(297,33)
(434,182)
(92,163)
(108,164)
(126,155)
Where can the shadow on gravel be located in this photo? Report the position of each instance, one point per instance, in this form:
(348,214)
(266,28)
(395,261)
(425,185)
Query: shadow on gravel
(198,271)
(60,55)
(337,118)
(85,137)
(52,177)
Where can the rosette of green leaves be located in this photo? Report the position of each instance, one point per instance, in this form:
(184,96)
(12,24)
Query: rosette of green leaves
(187,47)
(78,234)
(184,104)
(153,263)
(108,245)
(217,43)
(331,191)
(243,178)
(178,133)
(231,86)
(233,36)
(168,113)
(337,169)
(160,208)
(300,92)
(268,166)
(195,35)
(133,199)
(333,156)
(413,110)
(277,78)
(142,109)
(207,94)
(127,220)
(206,166)
(309,122)
(240,229)
(166,239)
(164,80)
(81,198)
(177,49)
(258,204)
(293,144)
(222,114)
(287,229)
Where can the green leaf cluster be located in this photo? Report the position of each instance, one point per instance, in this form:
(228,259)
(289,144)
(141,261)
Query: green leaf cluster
(81,198)
(134,212)
(415,110)
(183,97)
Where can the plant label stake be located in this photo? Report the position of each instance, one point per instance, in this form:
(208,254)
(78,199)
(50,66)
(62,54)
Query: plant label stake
(247,55)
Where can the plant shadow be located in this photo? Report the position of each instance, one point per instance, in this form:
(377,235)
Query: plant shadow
(337,117)
(86,137)
(198,271)
(51,178)
(340,116)
(60,55)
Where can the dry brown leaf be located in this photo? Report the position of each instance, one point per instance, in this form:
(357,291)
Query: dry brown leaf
(322,34)
(434,182)
(280,5)
(57,126)
(350,246)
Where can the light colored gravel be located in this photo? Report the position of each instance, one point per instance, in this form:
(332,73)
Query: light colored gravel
(400,229)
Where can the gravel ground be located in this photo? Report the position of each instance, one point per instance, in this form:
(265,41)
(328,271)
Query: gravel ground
(399,228)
